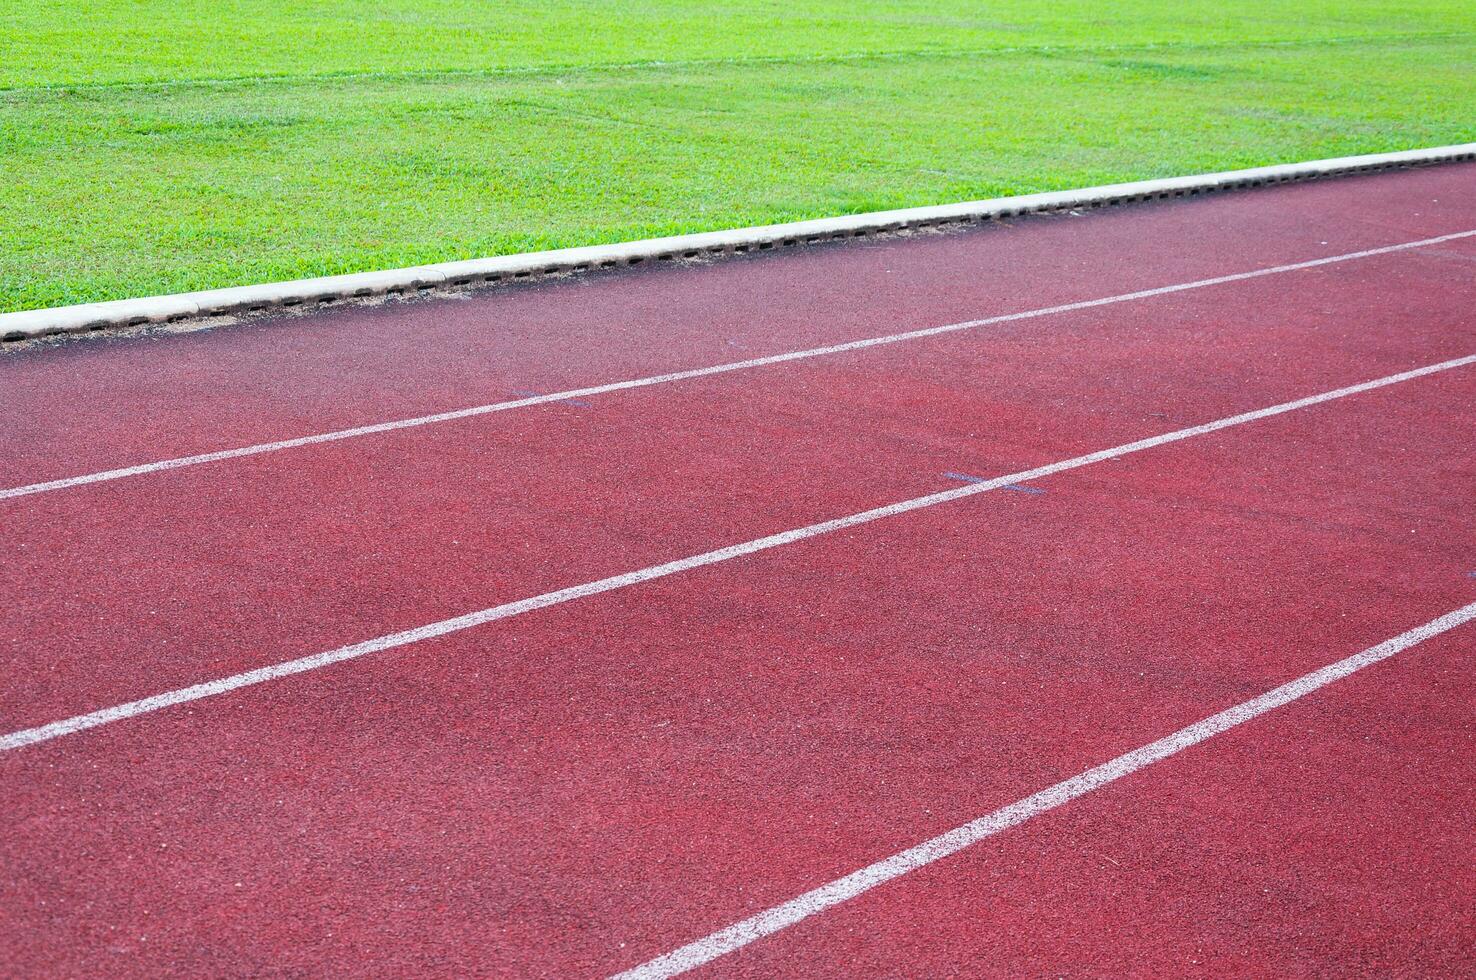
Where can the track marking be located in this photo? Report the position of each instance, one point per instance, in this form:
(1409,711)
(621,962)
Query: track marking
(568,401)
(68,726)
(463,413)
(966,478)
(840,890)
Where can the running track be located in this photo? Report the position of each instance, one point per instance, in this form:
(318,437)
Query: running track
(897,658)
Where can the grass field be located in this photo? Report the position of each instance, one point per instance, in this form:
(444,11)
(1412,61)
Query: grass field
(152,146)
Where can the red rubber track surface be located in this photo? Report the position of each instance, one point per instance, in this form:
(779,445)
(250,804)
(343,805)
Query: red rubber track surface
(582,788)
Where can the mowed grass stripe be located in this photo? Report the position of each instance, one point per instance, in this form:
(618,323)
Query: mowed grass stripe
(58,42)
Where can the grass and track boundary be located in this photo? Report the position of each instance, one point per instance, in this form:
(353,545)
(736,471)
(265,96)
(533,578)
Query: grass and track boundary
(483,272)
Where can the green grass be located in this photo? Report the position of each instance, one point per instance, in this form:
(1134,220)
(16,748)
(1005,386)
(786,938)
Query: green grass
(150,146)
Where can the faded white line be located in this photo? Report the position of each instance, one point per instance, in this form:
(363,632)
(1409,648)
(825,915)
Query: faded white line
(854,345)
(829,895)
(68,726)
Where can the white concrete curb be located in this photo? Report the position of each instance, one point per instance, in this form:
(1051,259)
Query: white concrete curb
(471,272)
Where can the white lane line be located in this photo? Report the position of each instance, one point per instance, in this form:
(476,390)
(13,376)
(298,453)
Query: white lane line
(68,726)
(462,413)
(829,895)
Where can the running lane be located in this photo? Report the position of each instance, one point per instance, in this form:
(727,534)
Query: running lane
(580,788)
